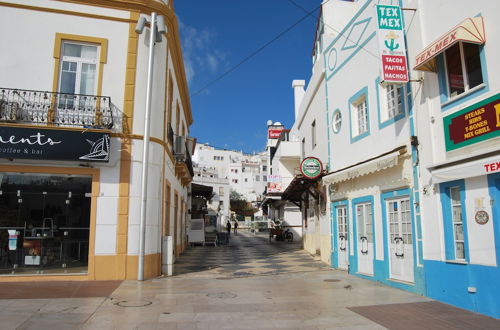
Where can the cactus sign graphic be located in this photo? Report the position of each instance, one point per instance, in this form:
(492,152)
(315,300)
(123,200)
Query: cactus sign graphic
(392,48)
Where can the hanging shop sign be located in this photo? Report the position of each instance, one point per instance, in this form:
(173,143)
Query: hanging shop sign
(274,184)
(51,144)
(274,133)
(311,167)
(392,48)
(478,122)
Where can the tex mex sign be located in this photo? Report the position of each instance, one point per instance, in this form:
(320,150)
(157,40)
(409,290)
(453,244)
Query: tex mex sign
(51,144)
(478,122)
(392,47)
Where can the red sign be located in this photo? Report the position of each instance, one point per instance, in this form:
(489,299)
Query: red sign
(274,133)
(394,68)
(475,123)
(492,167)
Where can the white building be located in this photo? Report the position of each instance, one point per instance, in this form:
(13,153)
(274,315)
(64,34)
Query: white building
(457,115)
(413,168)
(221,189)
(74,76)
(247,174)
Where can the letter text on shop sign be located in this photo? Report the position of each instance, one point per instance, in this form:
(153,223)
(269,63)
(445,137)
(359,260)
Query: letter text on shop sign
(476,123)
(392,46)
(52,144)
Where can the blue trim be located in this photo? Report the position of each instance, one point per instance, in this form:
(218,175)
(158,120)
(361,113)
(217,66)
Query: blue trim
(348,38)
(494,190)
(342,33)
(449,283)
(458,100)
(357,96)
(370,37)
(447,218)
(328,166)
(383,124)
(334,231)
(333,120)
(383,267)
(353,260)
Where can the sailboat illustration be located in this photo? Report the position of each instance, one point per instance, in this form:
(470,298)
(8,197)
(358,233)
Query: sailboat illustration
(99,149)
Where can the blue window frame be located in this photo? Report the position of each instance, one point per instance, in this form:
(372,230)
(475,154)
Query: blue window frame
(391,103)
(359,115)
(455,221)
(462,74)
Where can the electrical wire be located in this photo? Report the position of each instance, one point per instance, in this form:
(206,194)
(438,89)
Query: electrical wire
(331,27)
(258,50)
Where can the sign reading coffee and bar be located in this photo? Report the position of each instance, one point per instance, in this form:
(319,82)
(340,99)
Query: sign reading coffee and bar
(311,167)
(51,144)
(392,47)
(478,122)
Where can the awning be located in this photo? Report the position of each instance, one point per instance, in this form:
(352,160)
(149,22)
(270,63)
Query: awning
(298,186)
(470,30)
(371,166)
(466,170)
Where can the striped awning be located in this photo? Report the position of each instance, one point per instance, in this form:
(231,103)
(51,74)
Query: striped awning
(470,30)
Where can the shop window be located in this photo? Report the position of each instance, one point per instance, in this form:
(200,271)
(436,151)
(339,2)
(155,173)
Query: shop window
(455,228)
(45,223)
(463,68)
(358,105)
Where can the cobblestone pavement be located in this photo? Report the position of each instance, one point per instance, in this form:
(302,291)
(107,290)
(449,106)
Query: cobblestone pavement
(249,284)
(246,255)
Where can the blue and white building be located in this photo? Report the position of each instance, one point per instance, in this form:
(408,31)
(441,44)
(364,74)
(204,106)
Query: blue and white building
(414,168)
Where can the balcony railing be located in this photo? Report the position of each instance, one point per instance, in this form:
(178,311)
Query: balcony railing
(58,109)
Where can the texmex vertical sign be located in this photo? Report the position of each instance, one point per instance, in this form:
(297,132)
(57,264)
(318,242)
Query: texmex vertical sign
(392,48)
(478,122)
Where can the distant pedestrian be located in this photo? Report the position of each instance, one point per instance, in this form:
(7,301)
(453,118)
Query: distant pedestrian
(228,227)
(236,227)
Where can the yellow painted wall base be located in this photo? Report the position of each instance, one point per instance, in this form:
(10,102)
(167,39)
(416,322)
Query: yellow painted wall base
(326,248)
(152,266)
(44,278)
(309,243)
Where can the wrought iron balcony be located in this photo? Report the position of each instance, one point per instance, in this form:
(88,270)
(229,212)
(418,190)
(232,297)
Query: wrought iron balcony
(57,109)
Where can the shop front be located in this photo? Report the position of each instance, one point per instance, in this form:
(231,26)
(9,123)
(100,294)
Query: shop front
(47,208)
(45,223)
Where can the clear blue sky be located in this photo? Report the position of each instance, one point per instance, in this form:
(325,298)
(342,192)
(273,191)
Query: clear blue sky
(216,36)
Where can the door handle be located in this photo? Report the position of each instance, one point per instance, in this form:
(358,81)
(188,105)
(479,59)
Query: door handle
(342,242)
(399,241)
(364,240)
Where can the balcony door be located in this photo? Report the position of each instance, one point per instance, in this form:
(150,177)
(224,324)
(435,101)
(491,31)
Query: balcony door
(77,78)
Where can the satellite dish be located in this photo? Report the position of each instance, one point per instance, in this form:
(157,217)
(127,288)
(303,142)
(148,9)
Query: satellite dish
(278,123)
(269,122)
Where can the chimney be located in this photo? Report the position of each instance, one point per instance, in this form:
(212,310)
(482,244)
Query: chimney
(298,91)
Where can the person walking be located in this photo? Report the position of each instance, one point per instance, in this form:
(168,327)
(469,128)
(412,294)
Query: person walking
(228,227)
(236,227)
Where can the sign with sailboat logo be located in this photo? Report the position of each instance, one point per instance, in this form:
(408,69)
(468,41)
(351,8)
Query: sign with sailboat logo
(53,144)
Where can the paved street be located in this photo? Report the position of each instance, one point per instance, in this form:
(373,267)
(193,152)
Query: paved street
(249,284)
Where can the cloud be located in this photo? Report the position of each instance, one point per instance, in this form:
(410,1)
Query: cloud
(201,56)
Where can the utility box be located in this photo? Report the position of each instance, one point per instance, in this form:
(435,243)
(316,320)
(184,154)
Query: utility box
(167,259)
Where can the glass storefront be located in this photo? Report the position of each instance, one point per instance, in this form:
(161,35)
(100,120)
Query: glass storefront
(44,223)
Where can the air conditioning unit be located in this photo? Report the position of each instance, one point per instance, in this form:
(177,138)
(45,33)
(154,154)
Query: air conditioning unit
(179,148)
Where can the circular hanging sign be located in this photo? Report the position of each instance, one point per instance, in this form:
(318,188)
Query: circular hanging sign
(311,167)
(482,217)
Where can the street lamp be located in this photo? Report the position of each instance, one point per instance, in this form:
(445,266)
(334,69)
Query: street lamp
(157,27)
